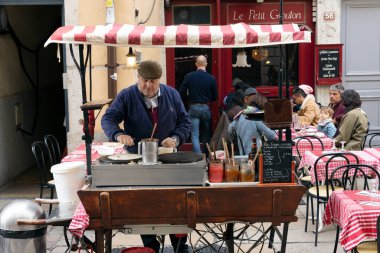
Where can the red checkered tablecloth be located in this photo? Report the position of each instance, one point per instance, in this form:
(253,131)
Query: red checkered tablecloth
(81,219)
(309,158)
(354,214)
(304,145)
(79,154)
(79,222)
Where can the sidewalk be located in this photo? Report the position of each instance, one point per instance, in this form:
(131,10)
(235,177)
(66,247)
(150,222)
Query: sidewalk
(26,186)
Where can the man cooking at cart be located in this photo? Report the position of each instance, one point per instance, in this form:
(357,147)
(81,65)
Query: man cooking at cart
(140,107)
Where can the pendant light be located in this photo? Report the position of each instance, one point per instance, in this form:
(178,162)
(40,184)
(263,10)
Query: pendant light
(131,59)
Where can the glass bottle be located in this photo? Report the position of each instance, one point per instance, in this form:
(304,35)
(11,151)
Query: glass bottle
(253,152)
(252,155)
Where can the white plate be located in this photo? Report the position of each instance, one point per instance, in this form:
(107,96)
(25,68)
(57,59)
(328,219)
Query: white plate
(112,144)
(124,157)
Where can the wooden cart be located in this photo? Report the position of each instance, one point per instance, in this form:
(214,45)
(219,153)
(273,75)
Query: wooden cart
(114,209)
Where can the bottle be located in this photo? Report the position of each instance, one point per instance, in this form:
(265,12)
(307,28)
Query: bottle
(251,156)
(253,152)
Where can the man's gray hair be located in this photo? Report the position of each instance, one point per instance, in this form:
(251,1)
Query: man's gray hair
(337,87)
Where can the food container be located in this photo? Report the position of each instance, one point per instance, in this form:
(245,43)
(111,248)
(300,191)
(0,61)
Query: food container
(247,172)
(215,171)
(231,172)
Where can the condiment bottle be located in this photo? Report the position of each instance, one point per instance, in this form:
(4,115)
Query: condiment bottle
(251,157)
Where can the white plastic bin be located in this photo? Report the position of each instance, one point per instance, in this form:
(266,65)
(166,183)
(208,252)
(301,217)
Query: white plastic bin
(69,178)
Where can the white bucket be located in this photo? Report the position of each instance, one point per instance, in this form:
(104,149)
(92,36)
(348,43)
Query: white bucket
(69,178)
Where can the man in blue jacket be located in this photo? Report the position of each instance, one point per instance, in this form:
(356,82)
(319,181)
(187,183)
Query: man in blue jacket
(142,105)
(139,107)
(201,89)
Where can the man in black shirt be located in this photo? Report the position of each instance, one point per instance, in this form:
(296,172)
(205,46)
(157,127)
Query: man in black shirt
(200,88)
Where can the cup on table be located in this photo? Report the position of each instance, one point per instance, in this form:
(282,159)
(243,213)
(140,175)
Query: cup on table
(215,171)
(373,185)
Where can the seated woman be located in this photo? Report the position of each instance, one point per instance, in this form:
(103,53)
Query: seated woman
(354,124)
(246,129)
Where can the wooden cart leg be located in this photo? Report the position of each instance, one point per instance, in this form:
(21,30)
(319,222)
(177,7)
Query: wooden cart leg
(99,237)
(108,240)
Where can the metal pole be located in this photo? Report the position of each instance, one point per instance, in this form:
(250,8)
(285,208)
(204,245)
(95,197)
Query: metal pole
(87,137)
(281,63)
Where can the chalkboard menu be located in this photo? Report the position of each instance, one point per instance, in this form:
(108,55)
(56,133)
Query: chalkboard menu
(277,162)
(329,64)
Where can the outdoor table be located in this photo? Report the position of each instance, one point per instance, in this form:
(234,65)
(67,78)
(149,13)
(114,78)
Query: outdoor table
(375,152)
(79,154)
(355,212)
(305,145)
(309,158)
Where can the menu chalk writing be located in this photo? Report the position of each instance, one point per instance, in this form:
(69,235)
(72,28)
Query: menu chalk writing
(277,162)
(328,63)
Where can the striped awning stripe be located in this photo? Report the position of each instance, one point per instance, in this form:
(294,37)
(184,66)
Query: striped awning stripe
(233,35)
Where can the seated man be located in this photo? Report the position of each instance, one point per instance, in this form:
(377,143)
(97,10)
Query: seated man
(336,103)
(309,112)
(246,129)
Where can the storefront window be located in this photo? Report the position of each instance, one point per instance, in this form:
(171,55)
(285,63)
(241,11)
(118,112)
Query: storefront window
(192,15)
(258,66)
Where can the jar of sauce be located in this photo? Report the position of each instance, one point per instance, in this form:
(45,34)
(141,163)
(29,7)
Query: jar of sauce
(231,172)
(247,172)
(215,171)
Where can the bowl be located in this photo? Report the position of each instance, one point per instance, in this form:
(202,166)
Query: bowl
(104,150)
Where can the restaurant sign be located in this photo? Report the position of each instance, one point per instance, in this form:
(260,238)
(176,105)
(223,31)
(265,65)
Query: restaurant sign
(266,13)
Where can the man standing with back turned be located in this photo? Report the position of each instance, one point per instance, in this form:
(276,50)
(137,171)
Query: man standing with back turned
(201,89)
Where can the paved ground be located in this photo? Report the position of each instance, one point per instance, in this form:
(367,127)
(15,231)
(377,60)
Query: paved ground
(26,186)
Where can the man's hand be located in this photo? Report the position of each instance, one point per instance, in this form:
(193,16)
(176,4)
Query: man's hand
(169,143)
(125,139)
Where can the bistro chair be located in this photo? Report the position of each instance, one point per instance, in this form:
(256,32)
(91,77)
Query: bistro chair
(349,173)
(372,140)
(53,147)
(44,163)
(305,178)
(371,246)
(321,191)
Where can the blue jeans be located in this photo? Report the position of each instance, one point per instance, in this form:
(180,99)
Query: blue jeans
(200,117)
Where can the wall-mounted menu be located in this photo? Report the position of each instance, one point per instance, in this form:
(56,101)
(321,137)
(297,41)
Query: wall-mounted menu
(277,162)
(329,64)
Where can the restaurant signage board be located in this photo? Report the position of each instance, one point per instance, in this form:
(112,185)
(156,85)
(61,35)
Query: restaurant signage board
(277,162)
(328,66)
(266,13)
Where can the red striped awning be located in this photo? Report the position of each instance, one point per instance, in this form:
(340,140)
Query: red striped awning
(234,35)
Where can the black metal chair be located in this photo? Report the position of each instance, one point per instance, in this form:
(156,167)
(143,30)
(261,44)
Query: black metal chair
(53,147)
(304,177)
(237,141)
(372,140)
(44,163)
(371,246)
(321,191)
(349,173)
